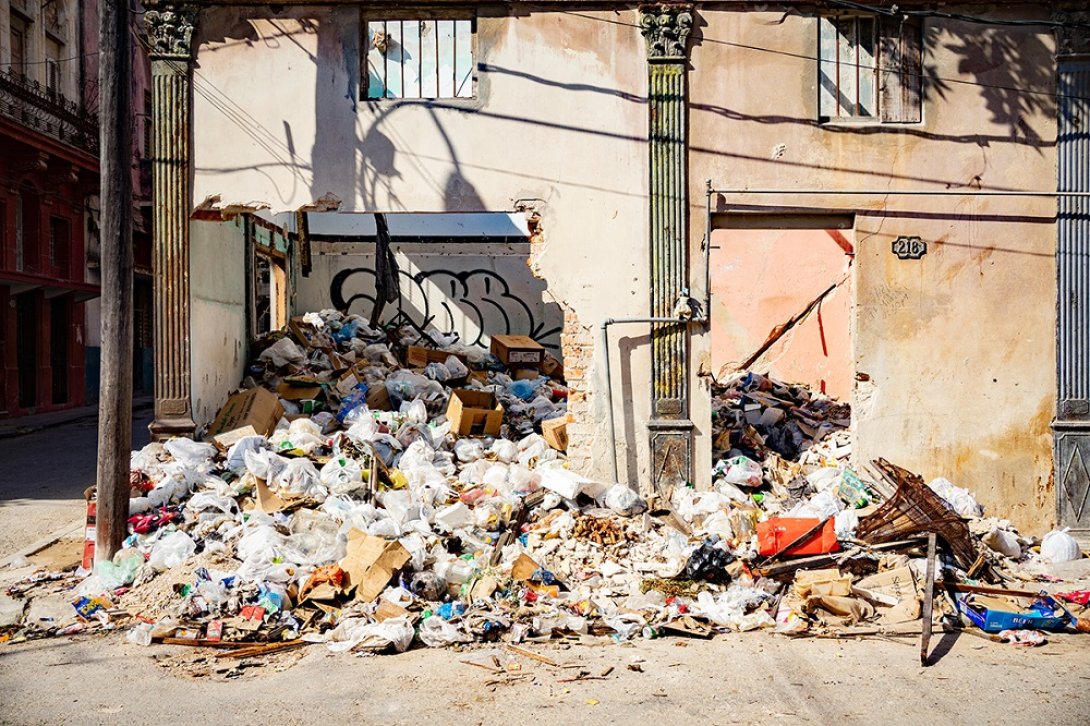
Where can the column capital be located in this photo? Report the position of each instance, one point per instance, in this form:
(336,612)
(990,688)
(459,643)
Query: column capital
(666,29)
(170,29)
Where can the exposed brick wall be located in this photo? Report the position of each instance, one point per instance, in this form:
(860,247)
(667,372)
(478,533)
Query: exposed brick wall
(577,347)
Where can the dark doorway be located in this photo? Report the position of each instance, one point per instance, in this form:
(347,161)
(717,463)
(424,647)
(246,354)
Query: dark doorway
(26,349)
(59,323)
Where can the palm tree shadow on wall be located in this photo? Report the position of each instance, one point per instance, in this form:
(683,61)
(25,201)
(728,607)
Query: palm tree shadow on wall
(1013,69)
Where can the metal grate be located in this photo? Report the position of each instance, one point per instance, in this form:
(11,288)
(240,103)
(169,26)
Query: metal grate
(425,59)
(847,68)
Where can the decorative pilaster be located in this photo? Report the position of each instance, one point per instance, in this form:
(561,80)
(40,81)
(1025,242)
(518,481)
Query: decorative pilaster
(666,30)
(1071,428)
(170,33)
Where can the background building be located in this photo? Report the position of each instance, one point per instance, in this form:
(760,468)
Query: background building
(49,324)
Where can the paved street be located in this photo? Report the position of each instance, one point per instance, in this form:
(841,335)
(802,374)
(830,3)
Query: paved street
(753,677)
(43,476)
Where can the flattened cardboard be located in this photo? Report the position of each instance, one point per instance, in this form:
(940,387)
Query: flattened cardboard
(474,413)
(524,568)
(267,500)
(370,562)
(294,392)
(517,350)
(254,407)
(228,439)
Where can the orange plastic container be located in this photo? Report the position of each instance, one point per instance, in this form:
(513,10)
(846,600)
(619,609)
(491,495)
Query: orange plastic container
(779,532)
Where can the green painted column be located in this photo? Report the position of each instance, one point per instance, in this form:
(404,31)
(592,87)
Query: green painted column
(666,29)
(170,34)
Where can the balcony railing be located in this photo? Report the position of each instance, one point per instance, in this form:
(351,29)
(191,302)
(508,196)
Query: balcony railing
(44,110)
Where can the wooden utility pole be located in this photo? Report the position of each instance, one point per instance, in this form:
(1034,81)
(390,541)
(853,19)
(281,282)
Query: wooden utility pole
(115,384)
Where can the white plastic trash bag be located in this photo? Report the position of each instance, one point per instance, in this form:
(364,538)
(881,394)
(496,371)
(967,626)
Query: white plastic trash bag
(743,471)
(171,550)
(624,501)
(1058,546)
(958,499)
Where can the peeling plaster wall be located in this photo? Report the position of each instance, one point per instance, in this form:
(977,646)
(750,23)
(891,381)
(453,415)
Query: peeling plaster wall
(217,262)
(959,347)
(560,123)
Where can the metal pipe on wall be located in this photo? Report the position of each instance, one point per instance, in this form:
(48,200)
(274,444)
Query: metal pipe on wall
(609,375)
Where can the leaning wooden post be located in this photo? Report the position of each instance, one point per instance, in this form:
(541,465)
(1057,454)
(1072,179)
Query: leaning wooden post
(115,382)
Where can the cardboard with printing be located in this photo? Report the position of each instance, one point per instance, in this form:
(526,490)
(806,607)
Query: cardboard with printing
(518,350)
(555,432)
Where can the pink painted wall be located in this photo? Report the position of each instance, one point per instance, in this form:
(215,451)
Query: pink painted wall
(761,278)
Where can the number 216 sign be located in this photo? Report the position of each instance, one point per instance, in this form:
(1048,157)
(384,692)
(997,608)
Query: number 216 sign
(909,248)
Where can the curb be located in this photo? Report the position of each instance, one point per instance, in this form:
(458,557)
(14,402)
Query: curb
(14,430)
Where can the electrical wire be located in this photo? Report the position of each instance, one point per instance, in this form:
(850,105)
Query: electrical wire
(898,12)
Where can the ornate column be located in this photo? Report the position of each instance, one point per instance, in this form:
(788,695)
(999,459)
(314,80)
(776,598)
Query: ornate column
(666,30)
(1071,428)
(170,34)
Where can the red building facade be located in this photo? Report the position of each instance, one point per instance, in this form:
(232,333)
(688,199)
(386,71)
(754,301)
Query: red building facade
(48,170)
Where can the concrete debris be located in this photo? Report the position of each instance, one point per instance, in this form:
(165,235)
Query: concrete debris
(335,503)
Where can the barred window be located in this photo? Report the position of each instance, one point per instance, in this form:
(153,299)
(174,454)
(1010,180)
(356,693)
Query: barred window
(419,58)
(869,68)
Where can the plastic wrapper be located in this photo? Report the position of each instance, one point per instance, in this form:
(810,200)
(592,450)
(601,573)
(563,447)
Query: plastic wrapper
(436,632)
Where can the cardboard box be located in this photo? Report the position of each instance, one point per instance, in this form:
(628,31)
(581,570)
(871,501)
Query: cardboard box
(308,336)
(474,413)
(255,407)
(418,356)
(555,433)
(994,614)
(524,374)
(517,350)
(378,398)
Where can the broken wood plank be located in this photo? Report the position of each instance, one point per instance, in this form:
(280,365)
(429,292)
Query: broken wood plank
(928,598)
(262,649)
(197,642)
(531,655)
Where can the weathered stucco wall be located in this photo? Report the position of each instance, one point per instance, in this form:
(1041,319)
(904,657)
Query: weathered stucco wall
(559,125)
(958,347)
(217,278)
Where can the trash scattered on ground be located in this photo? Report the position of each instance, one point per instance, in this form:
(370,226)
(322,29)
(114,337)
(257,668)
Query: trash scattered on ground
(369,490)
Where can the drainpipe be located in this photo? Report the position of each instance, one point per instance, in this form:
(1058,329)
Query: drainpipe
(609,376)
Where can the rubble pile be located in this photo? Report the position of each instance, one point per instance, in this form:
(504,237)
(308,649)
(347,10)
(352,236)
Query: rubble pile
(371,489)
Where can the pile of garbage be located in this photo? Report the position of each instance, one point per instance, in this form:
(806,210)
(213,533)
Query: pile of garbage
(374,488)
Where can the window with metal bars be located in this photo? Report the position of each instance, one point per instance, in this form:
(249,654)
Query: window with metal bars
(419,58)
(869,69)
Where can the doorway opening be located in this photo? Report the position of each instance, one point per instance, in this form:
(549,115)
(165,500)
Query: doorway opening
(781,336)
